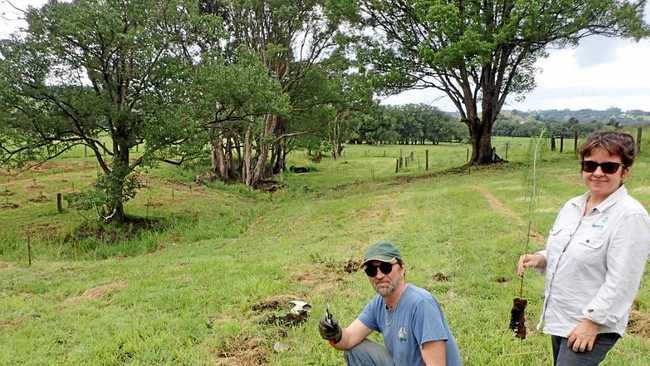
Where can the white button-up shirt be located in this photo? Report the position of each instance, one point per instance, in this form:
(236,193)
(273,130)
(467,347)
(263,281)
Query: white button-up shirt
(594,263)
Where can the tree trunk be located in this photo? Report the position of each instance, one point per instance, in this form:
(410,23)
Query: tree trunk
(118,174)
(219,164)
(481,140)
(280,157)
(334,138)
(279,148)
(246,175)
(259,173)
(237,144)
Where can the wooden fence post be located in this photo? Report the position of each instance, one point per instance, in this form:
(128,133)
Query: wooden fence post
(507,145)
(561,143)
(552,143)
(29,248)
(467,159)
(639,132)
(396,166)
(575,142)
(59,204)
(426,159)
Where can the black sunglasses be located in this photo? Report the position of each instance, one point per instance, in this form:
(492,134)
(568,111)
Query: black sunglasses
(608,167)
(384,267)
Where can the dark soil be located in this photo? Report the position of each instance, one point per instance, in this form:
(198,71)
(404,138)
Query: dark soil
(270,185)
(300,169)
(440,277)
(288,320)
(8,205)
(268,305)
(281,316)
(518,317)
(352,265)
(501,280)
(5,193)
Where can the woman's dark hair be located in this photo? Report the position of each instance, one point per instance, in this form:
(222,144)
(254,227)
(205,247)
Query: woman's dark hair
(616,143)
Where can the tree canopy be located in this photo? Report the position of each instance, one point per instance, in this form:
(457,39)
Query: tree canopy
(480,52)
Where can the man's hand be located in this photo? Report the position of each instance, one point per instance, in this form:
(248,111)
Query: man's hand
(583,336)
(329,329)
(530,260)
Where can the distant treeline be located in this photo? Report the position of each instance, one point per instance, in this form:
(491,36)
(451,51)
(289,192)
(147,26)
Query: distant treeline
(408,124)
(566,122)
(608,116)
(508,127)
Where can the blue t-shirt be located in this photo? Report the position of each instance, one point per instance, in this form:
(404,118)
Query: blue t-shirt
(416,319)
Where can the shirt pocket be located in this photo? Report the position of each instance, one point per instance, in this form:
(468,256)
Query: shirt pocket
(589,250)
(557,240)
(592,242)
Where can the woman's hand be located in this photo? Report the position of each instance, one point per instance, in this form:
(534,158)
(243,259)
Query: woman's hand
(530,260)
(583,336)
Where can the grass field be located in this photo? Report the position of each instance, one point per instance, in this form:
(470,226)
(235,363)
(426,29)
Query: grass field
(190,293)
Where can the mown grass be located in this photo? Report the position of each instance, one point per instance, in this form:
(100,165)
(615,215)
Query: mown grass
(185,295)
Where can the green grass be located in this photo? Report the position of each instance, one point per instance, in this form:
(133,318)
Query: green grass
(185,295)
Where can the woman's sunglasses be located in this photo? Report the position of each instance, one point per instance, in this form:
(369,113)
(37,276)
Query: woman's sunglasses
(608,167)
(384,267)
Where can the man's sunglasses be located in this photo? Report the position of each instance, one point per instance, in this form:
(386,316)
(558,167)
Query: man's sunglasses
(608,167)
(384,267)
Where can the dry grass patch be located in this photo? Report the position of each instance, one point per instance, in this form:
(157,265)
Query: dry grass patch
(96,293)
(13,323)
(639,324)
(243,350)
(321,281)
(500,208)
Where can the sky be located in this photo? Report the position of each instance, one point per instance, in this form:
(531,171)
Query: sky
(598,74)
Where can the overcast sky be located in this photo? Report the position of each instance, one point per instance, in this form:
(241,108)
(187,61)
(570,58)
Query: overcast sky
(600,73)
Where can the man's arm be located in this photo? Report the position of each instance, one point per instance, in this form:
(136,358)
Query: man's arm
(353,335)
(433,353)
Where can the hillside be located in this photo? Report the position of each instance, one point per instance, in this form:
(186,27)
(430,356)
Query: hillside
(210,287)
(631,117)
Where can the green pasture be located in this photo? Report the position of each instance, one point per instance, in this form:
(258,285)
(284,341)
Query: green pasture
(186,294)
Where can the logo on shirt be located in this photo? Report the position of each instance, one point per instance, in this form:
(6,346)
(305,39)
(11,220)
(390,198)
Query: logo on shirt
(600,223)
(402,335)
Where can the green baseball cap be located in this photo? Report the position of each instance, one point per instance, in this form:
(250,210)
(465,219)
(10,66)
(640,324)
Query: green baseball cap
(383,251)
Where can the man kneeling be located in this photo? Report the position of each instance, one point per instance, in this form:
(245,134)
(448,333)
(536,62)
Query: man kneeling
(414,328)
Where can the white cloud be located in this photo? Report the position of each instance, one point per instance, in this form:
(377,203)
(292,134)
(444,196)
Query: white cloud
(598,74)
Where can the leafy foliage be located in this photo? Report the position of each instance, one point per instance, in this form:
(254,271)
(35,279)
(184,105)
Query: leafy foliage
(479,53)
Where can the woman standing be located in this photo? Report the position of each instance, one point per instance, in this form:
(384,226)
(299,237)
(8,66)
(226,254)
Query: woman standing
(595,256)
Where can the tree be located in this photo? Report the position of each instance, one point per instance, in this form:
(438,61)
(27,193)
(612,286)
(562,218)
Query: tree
(480,52)
(350,95)
(228,98)
(102,74)
(289,37)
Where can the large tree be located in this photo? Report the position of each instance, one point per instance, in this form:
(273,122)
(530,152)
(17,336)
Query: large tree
(480,52)
(98,73)
(289,37)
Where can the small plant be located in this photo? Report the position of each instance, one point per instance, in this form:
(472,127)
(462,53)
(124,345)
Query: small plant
(518,311)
